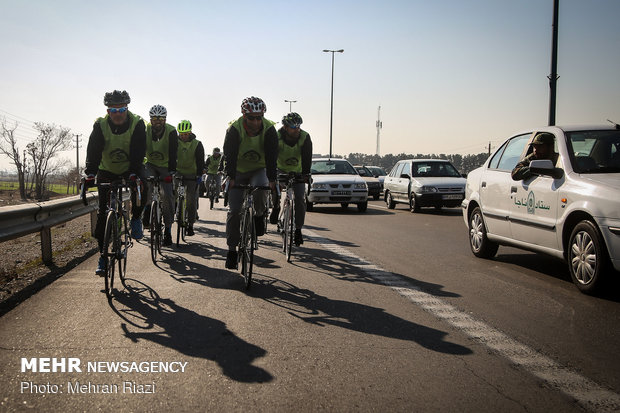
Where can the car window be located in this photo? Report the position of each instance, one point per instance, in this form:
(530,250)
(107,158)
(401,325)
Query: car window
(377,171)
(512,152)
(595,151)
(332,167)
(406,169)
(434,169)
(363,172)
(396,171)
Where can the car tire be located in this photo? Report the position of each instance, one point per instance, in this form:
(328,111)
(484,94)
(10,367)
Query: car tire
(375,197)
(390,201)
(479,243)
(413,204)
(344,205)
(309,206)
(362,206)
(587,257)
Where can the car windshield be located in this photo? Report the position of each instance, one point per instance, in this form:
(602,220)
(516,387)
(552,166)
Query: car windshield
(376,170)
(595,151)
(434,169)
(363,171)
(332,167)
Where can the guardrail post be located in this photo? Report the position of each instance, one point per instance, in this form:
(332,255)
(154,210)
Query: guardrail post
(46,245)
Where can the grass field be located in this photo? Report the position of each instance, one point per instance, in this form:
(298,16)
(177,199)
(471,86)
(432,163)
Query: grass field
(57,188)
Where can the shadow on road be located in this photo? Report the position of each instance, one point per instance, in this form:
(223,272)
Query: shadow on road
(162,321)
(320,310)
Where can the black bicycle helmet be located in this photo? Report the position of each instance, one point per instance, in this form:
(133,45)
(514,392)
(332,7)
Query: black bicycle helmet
(292,120)
(116,98)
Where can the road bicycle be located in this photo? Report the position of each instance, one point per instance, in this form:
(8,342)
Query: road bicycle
(117,239)
(180,208)
(286,218)
(156,223)
(248,240)
(212,190)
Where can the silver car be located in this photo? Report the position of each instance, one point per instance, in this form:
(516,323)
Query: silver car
(335,181)
(424,183)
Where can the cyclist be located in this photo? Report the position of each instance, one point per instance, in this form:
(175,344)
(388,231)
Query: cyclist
(294,155)
(161,160)
(214,165)
(115,150)
(251,148)
(190,163)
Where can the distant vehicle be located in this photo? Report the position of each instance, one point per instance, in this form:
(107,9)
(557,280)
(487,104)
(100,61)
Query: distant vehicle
(374,185)
(378,173)
(335,181)
(424,183)
(570,209)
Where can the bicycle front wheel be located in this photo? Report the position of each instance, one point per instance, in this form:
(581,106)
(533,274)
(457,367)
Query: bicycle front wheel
(124,242)
(110,248)
(155,232)
(290,230)
(246,248)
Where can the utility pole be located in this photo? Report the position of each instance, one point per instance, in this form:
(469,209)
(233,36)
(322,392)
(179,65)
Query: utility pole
(489,148)
(379,126)
(553,77)
(77,153)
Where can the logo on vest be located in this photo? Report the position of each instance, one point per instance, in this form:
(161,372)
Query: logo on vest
(118,156)
(291,162)
(251,156)
(156,156)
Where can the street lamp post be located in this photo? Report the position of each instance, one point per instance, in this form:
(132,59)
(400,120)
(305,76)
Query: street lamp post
(331,115)
(290,106)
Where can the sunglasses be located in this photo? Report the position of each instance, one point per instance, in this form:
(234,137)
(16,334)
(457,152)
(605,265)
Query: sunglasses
(117,110)
(248,117)
(293,126)
(160,118)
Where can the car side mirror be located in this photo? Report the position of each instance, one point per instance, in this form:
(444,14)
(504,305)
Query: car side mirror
(405,176)
(545,167)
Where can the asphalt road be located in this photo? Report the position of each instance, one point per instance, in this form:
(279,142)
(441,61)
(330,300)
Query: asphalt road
(384,310)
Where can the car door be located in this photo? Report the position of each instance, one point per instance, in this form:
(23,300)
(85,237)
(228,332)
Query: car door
(534,209)
(496,183)
(403,181)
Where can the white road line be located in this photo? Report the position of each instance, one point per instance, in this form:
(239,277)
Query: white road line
(587,393)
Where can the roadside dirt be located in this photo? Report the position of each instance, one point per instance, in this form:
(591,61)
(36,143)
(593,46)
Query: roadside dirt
(22,272)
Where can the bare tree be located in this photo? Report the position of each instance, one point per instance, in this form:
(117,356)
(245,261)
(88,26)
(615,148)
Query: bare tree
(8,147)
(70,177)
(51,140)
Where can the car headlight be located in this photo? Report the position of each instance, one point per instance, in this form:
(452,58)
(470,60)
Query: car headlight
(427,188)
(319,186)
(360,186)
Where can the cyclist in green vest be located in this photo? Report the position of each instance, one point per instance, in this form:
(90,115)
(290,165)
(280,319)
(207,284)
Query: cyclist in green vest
(161,160)
(115,150)
(294,155)
(190,164)
(251,148)
(214,165)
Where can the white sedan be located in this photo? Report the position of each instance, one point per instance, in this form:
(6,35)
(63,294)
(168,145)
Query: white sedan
(570,209)
(335,181)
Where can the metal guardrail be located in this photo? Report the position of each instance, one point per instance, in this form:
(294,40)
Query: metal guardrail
(20,220)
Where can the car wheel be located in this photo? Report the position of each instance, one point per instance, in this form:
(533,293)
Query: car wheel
(587,258)
(309,205)
(478,241)
(344,205)
(413,204)
(362,206)
(390,201)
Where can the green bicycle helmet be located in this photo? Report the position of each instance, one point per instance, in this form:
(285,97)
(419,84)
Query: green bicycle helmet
(185,126)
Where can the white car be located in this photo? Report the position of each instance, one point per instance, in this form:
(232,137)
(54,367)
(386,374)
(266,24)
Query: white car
(424,183)
(335,181)
(570,210)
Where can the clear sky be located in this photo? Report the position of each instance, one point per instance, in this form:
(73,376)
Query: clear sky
(450,75)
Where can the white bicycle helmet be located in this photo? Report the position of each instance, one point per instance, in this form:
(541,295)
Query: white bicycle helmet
(158,110)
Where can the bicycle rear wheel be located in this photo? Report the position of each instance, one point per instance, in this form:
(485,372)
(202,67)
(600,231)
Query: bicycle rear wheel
(155,232)
(290,230)
(110,239)
(185,220)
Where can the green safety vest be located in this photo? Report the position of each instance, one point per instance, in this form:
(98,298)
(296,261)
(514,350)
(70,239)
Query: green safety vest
(214,164)
(115,156)
(157,152)
(186,157)
(251,155)
(289,157)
